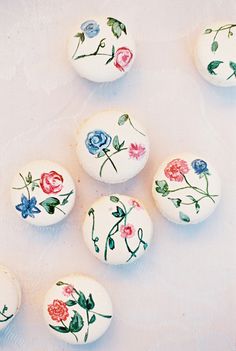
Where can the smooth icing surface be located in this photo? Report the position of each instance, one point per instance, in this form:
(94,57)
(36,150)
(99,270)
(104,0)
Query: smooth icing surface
(117,229)
(186,189)
(215,53)
(112,146)
(10,297)
(43,193)
(101,49)
(77,309)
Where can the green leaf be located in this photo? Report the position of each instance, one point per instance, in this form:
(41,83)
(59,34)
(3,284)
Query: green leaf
(82,300)
(34,185)
(214,46)
(96,248)
(162,187)
(76,323)
(116,143)
(233,66)
(81,36)
(184,217)
(197,207)
(145,246)
(50,204)
(191,198)
(122,119)
(114,198)
(92,319)
(176,202)
(29,178)
(208,31)
(111,243)
(91,211)
(90,302)
(60,329)
(119,212)
(213,65)
(117,27)
(71,303)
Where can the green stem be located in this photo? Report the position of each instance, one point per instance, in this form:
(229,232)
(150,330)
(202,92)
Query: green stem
(76,48)
(96,52)
(135,128)
(233,74)
(59,209)
(200,191)
(226,26)
(6,317)
(101,315)
(193,202)
(87,332)
(109,158)
(140,236)
(93,227)
(26,185)
(64,325)
(101,168)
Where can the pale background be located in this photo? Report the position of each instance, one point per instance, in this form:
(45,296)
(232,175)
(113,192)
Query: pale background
(181,295)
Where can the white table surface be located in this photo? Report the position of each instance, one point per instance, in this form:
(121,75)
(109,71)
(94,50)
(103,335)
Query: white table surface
(182,295)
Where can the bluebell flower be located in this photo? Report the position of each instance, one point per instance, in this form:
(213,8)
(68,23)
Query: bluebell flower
(28,207)
(97,141)
(90,28)
(199,166)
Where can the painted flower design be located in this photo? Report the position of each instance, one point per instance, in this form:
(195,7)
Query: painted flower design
(51,183)
(90,28)
(122,58)
(199,166)
(136,151)
(135,204)
(127,231)
(58,311)
(97,141)
(68,290)
(175,170)
(27,207)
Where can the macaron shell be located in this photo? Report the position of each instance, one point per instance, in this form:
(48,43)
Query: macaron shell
(43,193)
(124,139)
(215,54)
(112,41)
(184,194)
(65,310)
(10,296)
(117,229)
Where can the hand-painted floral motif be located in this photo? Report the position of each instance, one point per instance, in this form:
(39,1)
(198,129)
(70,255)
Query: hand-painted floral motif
(136,151)
(200,166)
(90,28)
(213,65)
(127,230)
(27,207)
(50,183)
(58,311)
(123,56)
(97,140)
(100,143)
(79,308)
(135,204)
(68,290)
(3,314)
(176,170)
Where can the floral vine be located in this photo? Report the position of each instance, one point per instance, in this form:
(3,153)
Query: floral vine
(3,314)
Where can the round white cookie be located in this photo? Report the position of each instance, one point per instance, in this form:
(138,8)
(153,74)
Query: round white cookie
(186,189)
(43,193)
(215,54)
(10,297)
(77,309)
(101,49)
(117,229)
(112,146)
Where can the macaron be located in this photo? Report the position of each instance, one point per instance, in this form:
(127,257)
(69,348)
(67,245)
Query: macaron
(112,146)
(101,49)
(42,193)
(117,229)
(186,188)
(215,54)
(77,309)
(10,297)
